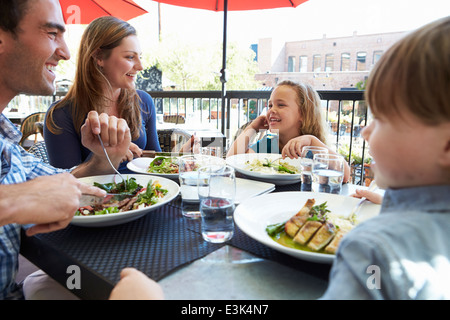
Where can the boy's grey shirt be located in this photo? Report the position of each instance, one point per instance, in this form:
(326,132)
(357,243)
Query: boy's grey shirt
(403,253)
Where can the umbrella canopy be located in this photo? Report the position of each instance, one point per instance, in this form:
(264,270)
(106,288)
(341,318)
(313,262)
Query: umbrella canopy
(84,11)
(232,5)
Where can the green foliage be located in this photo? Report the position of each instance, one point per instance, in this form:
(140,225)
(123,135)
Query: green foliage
(197,66)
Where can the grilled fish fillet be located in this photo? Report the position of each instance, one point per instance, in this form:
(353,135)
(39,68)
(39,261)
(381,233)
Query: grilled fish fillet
(322,237)
(296,222)
(332,247)
(307,231)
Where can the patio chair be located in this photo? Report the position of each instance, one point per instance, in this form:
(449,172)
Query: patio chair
(40,151)
(29,127)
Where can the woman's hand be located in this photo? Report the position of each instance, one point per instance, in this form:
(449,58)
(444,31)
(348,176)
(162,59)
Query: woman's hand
(133,152)
(116,138)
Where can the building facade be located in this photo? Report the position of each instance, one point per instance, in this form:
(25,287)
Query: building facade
(326,64)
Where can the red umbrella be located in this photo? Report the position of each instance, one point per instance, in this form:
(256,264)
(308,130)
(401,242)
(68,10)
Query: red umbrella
(233,5)
(84,11)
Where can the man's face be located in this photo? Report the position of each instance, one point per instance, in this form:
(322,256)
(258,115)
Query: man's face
(28,61)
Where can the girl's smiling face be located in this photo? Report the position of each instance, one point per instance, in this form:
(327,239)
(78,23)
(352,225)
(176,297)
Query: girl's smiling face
(123,64)
(284,113)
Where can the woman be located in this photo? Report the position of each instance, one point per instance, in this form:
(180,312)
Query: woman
(108,62)
(295,115)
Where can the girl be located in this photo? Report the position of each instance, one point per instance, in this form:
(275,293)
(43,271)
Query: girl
(295,114)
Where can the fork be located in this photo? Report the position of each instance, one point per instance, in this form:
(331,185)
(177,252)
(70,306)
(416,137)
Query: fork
(107,157)
(352,217)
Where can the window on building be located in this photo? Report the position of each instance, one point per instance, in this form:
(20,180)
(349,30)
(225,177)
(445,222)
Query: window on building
(361,61)
(376,56)
(316,63)
(291,64)
(345,62)
(329,62)
(303,64)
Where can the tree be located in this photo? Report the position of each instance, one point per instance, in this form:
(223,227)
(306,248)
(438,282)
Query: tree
(196,66)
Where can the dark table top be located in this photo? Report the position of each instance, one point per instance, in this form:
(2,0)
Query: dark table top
(158,244)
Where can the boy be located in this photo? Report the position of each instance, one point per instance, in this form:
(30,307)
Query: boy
(404,253)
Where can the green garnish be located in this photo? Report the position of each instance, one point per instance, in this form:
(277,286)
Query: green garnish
(319,212)
(279,167)
(274,229)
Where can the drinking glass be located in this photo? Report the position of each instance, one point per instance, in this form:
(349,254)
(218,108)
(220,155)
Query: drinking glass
(328,172)
(306,163)
(188,176)
(216,191)
(214,151)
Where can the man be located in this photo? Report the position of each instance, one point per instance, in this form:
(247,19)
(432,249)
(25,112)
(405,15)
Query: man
(31,192)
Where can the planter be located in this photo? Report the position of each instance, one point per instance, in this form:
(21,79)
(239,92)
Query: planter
(368,175)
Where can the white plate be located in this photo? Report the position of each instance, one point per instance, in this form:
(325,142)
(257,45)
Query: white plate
(246,189)
(127,216)
(255,214)
(240,163)
(140,165)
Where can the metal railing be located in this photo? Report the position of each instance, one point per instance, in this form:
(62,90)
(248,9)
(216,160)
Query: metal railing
(345,110)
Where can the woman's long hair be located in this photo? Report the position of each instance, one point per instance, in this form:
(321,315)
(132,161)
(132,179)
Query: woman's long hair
(87,92)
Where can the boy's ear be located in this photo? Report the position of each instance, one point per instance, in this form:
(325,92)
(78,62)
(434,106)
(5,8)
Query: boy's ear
(444,160)
(2,41)
(6,40)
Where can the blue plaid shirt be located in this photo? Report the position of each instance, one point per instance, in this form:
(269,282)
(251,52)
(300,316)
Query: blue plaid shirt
(17,166)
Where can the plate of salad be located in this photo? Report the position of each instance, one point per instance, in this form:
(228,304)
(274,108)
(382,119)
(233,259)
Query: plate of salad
(134,198)
(164,166)
(267,167)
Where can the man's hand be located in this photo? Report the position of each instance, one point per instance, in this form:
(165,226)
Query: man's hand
(48,202)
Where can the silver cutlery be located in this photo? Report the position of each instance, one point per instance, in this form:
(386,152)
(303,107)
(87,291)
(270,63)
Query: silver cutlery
(352,217)
(107,157)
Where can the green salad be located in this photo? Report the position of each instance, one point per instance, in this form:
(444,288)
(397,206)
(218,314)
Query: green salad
(128,195)
(168,165)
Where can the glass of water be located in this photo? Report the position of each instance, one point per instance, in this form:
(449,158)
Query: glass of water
(328,172)
(216,191)
(214,151)
(188,176)
(306,163)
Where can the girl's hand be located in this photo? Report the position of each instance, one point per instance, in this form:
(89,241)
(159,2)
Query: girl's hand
(260,123)
(293,149)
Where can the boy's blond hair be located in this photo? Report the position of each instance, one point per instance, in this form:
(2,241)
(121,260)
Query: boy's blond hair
(414,75)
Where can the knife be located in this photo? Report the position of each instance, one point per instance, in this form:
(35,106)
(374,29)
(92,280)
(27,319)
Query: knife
(154,154)
(91,200)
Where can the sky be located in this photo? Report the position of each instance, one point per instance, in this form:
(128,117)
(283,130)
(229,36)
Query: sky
(310,20)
